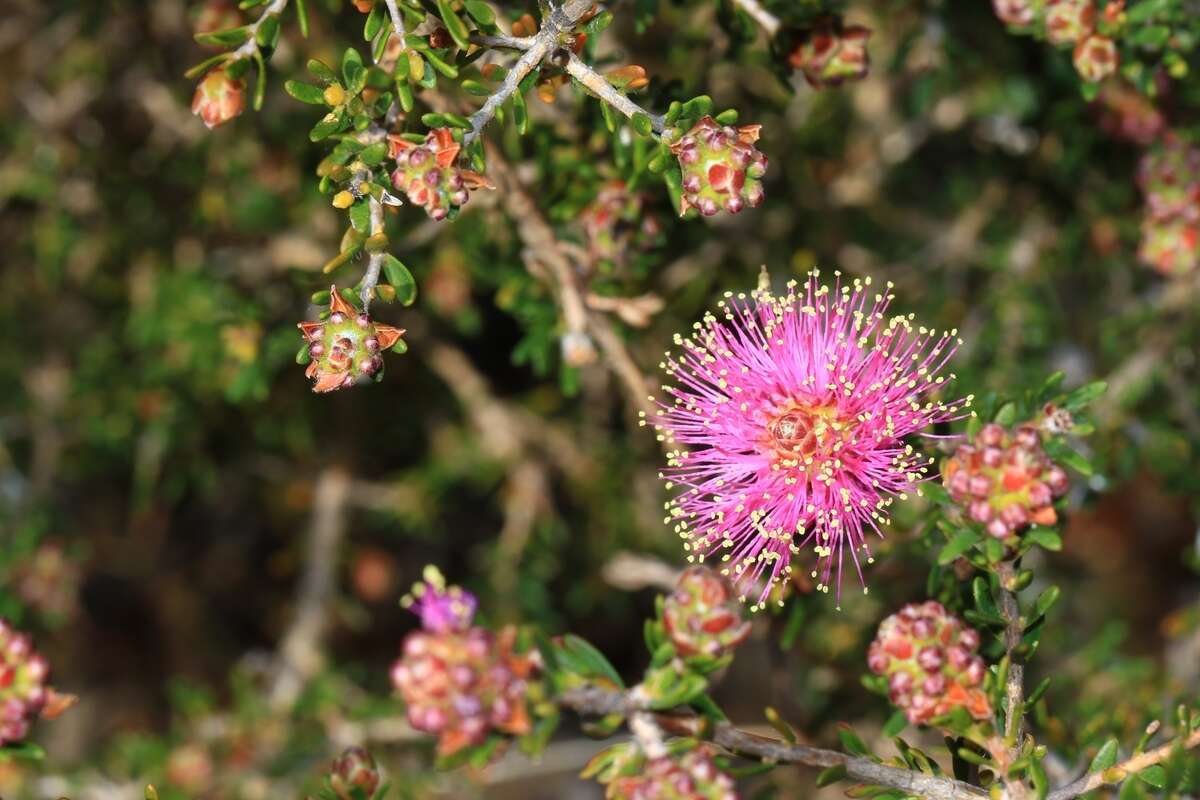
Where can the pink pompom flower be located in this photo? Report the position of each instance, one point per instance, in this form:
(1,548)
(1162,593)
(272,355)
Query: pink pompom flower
(795,408)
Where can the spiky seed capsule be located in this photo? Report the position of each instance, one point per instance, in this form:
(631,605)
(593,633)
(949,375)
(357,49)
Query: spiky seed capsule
(354,769)
(929,659)
(702,615)
(428,176)
(722,169)
(1005,481)
(830,53)
(345,347)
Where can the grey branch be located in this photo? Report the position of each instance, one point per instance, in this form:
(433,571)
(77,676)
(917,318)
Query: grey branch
(1117,774)
(768,21)
(250,46)
(375,263)
(397,21)
(599,702)
(599,86)
(1014,688)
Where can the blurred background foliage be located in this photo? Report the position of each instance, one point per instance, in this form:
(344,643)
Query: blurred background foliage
(169,486)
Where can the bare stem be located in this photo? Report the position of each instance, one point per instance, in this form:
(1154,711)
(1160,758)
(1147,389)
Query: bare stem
(1014,688)
(1117,774)
(512,83)
(766,20)
(375,263)
(397,21)
(599,86)
(250,46)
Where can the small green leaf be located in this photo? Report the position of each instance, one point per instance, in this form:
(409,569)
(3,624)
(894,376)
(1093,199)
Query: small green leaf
(642,124)
(851,741)
(260,80)
(1084,395)
(1106,757)
(302,355)
(268,32)
(230,37)
(196,71)
(831,775)
(354,74)
(374,22)
(727,117)
(895,724)
(454,25)
(302,17)
(360,216)
(1046,600)
(963,541)
(305,92)
(520,113)
(1154,775)
(480,12)
(401,279)
(321,70)
(1045,538)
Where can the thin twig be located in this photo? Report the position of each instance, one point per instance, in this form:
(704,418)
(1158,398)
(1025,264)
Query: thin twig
(397,22)
(1117,774)
(501,40)
(250,46)
(598,85)
(1014,628)
(375,263)
(594,701)
(768,21)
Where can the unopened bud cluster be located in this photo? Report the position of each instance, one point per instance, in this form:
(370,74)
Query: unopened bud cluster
(831,53)
(23,689)
(702,616)
(1169,176)
(354,769)
(460,682)
(219,97)
(929,659)
(427,173)
(346,347)
(1004,480)
(690,776)
(1067,23)
(616,223)
(722,169)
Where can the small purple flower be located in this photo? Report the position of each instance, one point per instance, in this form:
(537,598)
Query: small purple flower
(442,609)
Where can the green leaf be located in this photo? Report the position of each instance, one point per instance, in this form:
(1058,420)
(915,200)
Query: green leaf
(374,22)
(305,92)
(610,117)
(1154,775)
(354,74)
(1045,538)
(895,724)
(480,12)
(230,37)
(302,17)
(1060,452)
(831,775)
(401,279)
(196,71)
(302,355)
(642,124)
(520,113)
(963,541)
(1046,600)
(260,80)
(404,95)
(454,25)
(727,117)
(1084,395)
(328,124)
(449,70)
(591,662)
(321,70)
(851,741)
(596,25)
(1007,414)
(697,107)
(1106,757)
(982,592)
(268,32)
(360,216)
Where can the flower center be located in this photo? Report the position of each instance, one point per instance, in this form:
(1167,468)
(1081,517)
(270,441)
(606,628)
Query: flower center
(798,432)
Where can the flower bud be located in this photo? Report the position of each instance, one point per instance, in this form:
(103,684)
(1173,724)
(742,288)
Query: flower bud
(23,689)
(719,164)
(830,53)
(219,98)
(702,616)
(344,348)
(690,776)
(928,657)
(1069,21)
(427,173)
(1095,58)
(1015,12)
(354,769)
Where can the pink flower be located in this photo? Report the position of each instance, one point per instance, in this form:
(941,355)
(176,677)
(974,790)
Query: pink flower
(796,407)
(219,98)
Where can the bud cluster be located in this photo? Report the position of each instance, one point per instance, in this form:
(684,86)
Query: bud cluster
(354,769)
(831,53)
(616,222)
(929,659)
(460,682)
(1169,176)
(23,689)
(427,174)
(1067,23)
(345,348)
(692,775)
(1005,480)
(219,97)
(702,616)
(722,169)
